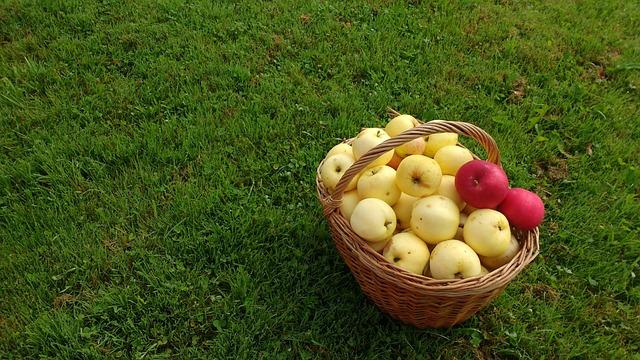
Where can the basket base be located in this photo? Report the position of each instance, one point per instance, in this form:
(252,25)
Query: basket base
(420,311)
(428,320)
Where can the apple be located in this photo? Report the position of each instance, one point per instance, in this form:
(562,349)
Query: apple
(395,161)
(418,175)
(366,140)
(332,170)
(497,261)
(435,142)
(487,232)
(403,208)
(379,182)
(459,232)
(448,188)
(400,124)
(453,259)
(482,184)
(373,220)
(349,201)
(407,251)
(451,158)
(435,218)
(378,246)
(342,148)
(523,208)
(413,147)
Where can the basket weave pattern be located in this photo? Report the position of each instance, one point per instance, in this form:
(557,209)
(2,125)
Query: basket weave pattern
(415,299)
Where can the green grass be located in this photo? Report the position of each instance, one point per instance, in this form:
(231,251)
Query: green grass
(157,164)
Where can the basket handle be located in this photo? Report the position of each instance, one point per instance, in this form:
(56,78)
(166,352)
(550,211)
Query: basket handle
(424,129)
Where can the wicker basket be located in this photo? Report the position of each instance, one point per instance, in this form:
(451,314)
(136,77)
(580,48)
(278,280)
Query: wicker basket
(415,299)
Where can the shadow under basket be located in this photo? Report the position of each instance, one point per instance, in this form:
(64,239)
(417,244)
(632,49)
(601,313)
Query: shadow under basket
(416,299)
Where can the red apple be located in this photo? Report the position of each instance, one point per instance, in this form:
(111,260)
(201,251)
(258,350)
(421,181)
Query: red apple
(482,184)
(523,208)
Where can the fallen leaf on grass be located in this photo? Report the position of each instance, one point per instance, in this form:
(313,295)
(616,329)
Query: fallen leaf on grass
(542,291)
(518,90)
(61,300)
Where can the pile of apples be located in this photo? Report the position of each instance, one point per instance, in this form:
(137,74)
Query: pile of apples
(428,207)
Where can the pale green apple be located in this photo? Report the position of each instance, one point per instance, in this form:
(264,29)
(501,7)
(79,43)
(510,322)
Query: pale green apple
(379,182)
(487,232)
(332,170)
(400,124)
(342,148)
(366,140)
(435,142)
(408,252)
(403,208)
(349,201)
(500,260)
(378,246)
(373,220)
(451,158)
(448,188)
(435,218)
(453,259)
(418,175)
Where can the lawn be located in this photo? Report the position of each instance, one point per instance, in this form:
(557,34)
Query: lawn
(157,172)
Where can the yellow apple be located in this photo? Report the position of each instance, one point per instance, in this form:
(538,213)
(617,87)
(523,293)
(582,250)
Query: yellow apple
(448,188)
(366,140)
(378,246)
(453,259)
(373,220)
(435,142)
(418,175)
(349,201)
(451,158)
(332,170)
(413,147)
(484,270)
(500,260)
(435,219)
(403,208)
(380,183)
(400,124)
(487,232)
(408,252)
(342,148)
